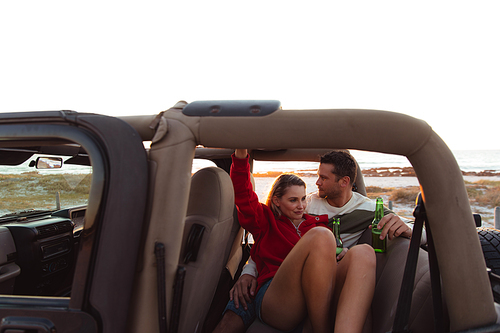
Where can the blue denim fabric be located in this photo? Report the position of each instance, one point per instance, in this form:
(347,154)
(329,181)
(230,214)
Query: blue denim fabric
(253,309)
(248,316)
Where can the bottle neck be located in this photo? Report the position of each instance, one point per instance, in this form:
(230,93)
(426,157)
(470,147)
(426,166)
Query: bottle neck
(336,230)
(379,212)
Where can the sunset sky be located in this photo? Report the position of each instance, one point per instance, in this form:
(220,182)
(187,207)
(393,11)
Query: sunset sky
(434,60)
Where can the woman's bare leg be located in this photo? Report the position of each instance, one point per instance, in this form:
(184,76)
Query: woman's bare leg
(354,288)
(304,284)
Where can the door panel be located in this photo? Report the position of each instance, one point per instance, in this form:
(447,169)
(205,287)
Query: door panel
(108,241)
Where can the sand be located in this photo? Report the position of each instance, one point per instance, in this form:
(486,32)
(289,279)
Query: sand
(263,185)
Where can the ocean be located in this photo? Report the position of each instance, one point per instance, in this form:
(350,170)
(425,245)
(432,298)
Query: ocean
(468,160)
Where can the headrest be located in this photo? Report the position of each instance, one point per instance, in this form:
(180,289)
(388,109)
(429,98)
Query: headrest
(211,194)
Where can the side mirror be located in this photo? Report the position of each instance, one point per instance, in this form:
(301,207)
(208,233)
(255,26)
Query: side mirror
(49,163)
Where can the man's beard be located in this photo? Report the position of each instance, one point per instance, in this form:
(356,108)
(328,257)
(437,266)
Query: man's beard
(333,194)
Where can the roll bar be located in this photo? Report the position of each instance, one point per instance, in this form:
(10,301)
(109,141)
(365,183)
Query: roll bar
(457,245)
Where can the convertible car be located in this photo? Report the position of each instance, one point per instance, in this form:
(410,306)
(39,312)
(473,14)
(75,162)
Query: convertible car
(104,227)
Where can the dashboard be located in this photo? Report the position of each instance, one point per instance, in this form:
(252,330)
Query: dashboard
(45,250)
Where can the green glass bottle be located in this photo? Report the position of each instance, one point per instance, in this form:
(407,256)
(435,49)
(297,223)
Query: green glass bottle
(379,245)
(336,232)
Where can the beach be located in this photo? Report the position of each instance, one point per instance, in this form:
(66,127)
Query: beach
(385,186)
(393,178)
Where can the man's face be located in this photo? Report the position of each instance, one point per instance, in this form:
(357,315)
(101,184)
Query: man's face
(328,183)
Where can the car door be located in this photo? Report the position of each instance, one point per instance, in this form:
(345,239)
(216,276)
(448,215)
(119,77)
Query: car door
(109,242)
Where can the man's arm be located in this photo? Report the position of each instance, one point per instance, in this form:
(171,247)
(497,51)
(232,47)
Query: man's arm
(250,268)
(392,226)
(244,288)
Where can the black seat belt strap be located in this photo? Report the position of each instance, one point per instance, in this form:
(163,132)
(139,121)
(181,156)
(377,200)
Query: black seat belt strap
(160,280)
(402,316)
(177,299)
(437,300)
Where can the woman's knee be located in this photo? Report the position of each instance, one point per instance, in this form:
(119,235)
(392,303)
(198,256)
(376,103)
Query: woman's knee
(319,234)
(320,239)
(363,253)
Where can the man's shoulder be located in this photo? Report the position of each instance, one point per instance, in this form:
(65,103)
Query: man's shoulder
(313,199)
(317,205)
(356,199)
(360,197)
(313,196)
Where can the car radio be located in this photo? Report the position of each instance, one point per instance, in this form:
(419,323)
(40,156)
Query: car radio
(45,254)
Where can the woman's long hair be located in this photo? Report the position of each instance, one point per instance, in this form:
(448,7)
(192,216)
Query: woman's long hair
(280,185)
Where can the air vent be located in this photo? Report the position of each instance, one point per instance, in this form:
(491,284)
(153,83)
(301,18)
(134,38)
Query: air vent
(11,257)
(54,229)
(47,230)
(65,226)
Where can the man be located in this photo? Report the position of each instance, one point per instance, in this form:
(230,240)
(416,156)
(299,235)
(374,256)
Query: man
(336,175)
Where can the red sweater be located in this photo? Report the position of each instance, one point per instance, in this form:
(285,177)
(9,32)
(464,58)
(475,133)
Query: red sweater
(274,237)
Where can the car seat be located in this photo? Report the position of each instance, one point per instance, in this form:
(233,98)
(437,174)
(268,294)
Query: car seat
(9,270)
(390,270)
(208,236)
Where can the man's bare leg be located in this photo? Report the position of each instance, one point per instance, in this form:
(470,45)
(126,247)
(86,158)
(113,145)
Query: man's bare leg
(230,323)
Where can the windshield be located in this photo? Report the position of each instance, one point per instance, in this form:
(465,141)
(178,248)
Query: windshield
(45,186)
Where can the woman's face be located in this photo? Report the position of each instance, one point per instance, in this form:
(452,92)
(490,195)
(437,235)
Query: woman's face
(293,203)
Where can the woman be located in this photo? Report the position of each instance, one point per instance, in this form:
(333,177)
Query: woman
(295,257)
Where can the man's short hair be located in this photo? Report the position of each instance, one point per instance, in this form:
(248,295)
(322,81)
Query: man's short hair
(343,162)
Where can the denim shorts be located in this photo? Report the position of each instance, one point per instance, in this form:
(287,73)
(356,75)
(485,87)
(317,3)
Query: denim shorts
(253,309)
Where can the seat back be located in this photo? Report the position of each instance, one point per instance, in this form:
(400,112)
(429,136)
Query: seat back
(8,269)
(390,270)
(359,182)
(206,243)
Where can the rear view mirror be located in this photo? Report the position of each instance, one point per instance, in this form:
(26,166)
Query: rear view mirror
(49,163)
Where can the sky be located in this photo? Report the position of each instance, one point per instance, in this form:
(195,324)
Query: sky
(434,60)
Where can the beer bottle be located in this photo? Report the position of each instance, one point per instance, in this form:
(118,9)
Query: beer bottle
(379,245)
(336,232)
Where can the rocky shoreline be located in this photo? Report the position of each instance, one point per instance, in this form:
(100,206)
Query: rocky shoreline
(383,172)
(410,172)
(400,185)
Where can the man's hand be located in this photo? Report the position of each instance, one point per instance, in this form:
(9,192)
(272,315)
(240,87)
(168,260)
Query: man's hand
(242,290)
(393,226)
(342,254)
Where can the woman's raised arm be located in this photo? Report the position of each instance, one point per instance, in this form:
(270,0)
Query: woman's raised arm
(240,153)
